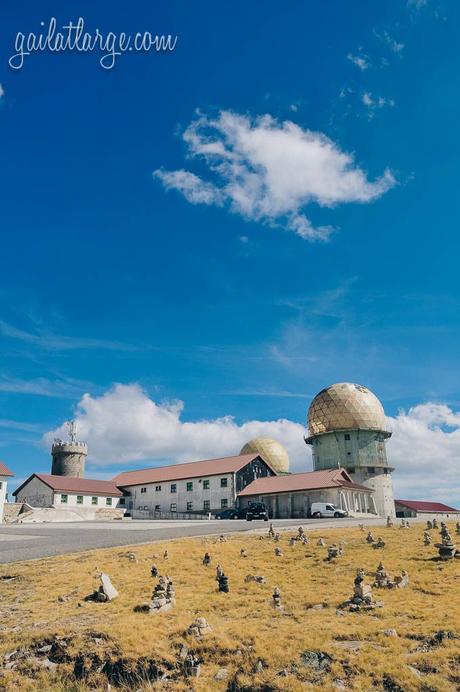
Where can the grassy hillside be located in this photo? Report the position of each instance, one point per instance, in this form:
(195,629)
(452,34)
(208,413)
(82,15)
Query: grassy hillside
(52,639)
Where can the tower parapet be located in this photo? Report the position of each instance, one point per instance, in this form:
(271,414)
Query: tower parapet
(69,457)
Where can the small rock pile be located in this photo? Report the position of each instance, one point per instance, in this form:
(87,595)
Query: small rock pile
(404,524)
(334,551)
(278,552)
(384,580)
(258,578)
(379,544)
(206,560)
(199,627)
(389,522)
(321,542)
(457,528)
(163,598)
(362,596)
(222,582)
(370,538)
(271,531)
(429,525)
(276,598)
(447,548)
(426,538)
(154,571)
(106,591)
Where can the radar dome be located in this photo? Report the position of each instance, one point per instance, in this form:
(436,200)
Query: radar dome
(345,406)
(271,450)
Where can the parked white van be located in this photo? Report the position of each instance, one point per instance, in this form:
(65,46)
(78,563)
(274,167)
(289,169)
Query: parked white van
(326,509)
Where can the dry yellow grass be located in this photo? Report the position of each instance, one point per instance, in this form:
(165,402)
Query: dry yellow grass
(246,628)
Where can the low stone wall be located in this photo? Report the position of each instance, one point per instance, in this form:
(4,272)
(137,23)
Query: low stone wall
(108,513)
(12,510)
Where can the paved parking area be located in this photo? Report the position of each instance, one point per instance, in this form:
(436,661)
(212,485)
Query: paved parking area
(31,541)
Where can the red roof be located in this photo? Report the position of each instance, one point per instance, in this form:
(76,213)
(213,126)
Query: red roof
(193,469)
(4,470)
(422,506)
(85,486)
(312,480)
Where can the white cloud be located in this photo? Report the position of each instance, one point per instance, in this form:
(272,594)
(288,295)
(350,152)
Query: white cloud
(360,61)
(125,425)
(374,103)
(425,449)
(269,171)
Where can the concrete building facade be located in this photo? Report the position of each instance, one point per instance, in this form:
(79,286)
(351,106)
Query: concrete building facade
(5,475)
(197,487)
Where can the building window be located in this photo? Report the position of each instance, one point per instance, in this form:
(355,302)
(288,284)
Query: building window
(189,506)
(206,505)
(146,507)
(121,501)
(1,485)
(351,470)
(347,436)
(206,485)
(157,488)
(349,454)
(94,500)
(224,503)
(385,471)
(64,499)
(79,499)
(143,490)
(370,469)
(223,482)
(173,507)
(108,501)
(173,488)
(189,486)
(157,508)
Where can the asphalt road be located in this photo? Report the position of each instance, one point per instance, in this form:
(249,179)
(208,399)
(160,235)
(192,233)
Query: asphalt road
(31,541)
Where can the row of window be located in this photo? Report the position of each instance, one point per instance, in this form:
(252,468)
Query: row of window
(94,500)
(206,484)
(206,506)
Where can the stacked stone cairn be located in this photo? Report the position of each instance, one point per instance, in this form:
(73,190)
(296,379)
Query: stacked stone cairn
(199,627)
(192,666)
(457,528)
(300,533)
(389,522)
(271,531)
(222,583)
(404,524)
(276,537)
(429,525)
(219,572)
(447,548)
(163,598)
(384,580)
(334,551)
(292,541)
(243,553)
(154,571)
(426,538)
(278,552)
(321,542)
(362,596)
(206,560)
(361,527)
(379,544)
(435,523)
(165,555)
(370,538)
(276,598)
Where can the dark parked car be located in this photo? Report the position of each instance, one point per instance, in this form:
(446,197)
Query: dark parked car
(231,513)
(256,510)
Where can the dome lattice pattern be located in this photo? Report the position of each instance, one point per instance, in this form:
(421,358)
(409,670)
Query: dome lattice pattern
(271,450)
(345,406)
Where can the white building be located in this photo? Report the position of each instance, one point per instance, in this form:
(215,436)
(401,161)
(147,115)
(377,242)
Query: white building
(426,510)
(5,474)
(82,495)
(197,487)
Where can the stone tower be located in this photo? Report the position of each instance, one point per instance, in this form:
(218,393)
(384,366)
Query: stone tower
(69,457)
(347,427)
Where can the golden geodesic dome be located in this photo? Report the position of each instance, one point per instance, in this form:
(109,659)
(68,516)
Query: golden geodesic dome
(271,450)
(345,406)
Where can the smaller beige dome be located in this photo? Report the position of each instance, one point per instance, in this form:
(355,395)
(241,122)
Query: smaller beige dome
(271,450)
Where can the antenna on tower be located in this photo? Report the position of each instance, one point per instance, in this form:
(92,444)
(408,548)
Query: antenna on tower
(72,430)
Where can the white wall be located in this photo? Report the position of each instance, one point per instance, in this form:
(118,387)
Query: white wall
(36,493)
(3,485)
(164,497)
(87,500)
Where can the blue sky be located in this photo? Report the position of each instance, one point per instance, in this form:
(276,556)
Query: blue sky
(111,276)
